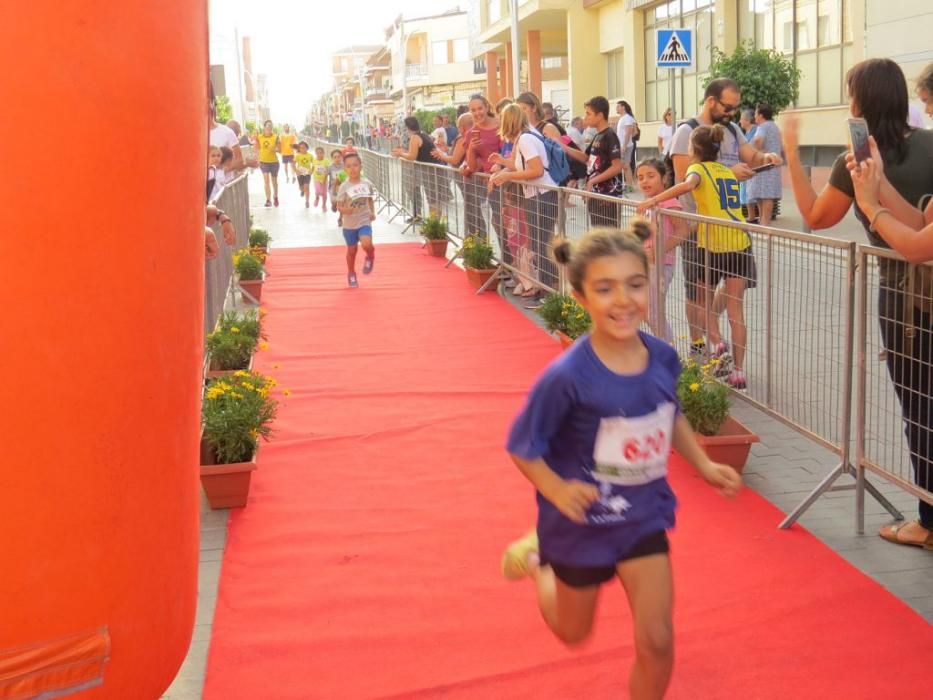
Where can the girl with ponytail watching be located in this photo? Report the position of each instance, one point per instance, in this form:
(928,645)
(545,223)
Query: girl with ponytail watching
(725,250)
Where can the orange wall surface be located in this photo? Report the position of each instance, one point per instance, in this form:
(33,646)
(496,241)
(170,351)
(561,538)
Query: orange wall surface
(104,119)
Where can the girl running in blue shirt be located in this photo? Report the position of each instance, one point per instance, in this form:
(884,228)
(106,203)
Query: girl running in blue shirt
(594,438)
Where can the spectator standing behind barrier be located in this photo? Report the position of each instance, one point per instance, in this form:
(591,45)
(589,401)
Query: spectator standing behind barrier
(419,150)
(748,126)
(222,135)
(268,143)
(450,130)
(666,134)
(720,103)
(482,141)
(439,135)
(575,132)
(625,130)
(924,89)
(459,144)
(530,168)
(878,93)
(726,251)
(604,163)
(765,188)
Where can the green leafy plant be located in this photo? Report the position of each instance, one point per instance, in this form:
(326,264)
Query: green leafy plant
(764,75)
(230,349)
(259,237)
(704,400)
(434,228)
(237,412)
(561,312)
(223,111)
(247,265)
(477,253)
(250,126)
(248,323)
(425,117)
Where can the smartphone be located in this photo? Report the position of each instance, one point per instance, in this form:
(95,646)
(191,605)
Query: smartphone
(763,168)
(858,136)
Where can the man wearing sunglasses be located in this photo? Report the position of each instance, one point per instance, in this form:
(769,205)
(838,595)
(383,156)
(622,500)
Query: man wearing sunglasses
(721,104)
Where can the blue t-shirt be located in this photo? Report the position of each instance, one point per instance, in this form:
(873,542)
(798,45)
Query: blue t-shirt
(591,424)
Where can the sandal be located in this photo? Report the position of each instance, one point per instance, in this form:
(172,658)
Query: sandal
(515,557)
(529,292)
(892,533)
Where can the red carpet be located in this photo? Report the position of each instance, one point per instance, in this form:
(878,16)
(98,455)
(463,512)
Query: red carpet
(366,563)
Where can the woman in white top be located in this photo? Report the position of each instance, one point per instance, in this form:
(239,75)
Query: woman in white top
(666,134)
(530,162)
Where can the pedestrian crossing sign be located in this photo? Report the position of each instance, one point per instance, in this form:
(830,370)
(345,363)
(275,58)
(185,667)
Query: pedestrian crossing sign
(675,48)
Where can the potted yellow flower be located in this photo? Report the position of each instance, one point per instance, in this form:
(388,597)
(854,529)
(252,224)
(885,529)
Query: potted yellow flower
(477,260)
(705,403)
(236,412)
(250,275)
(564,317)
(259,243)
(232,344)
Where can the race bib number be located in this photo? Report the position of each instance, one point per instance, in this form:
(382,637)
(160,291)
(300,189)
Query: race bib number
(634,451)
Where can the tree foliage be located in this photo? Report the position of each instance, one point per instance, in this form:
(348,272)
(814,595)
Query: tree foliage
(425,117)
(763,75)
(223,110)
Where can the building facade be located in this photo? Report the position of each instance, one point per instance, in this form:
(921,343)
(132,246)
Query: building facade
(609,49)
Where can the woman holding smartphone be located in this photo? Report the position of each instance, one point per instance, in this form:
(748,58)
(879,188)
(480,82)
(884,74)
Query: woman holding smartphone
(878,94)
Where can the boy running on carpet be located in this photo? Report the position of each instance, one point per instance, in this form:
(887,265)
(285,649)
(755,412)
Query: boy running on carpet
(356,204)
(594,438)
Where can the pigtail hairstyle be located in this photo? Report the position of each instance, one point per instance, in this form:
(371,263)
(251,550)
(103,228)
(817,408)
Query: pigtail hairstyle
(598,243)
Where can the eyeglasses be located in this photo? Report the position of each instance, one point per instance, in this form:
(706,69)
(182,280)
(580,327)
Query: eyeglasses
(726,107)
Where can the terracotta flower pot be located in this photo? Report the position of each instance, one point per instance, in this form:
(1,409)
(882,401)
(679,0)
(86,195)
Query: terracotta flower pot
(730,445)
(479,277)
(438,249)
(251,287)
(565,340)
(213,372)
(225,485)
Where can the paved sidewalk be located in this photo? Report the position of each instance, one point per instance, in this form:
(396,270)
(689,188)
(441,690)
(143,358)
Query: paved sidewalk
(784,467)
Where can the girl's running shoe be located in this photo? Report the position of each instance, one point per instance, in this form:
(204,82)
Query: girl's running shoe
(351,280)
(736,379)
(515,558)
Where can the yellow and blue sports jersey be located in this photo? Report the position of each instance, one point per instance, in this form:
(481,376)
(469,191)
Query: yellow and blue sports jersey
(717,195)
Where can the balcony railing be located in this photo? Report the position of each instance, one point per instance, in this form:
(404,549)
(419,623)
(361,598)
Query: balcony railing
(416,70)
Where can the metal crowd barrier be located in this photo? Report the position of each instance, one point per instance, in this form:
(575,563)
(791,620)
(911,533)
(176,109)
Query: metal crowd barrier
(218,273)
(798,306)
(894,392)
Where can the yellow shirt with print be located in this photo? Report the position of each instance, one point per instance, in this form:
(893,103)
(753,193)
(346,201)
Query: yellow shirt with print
(303,163)
(287,141)
(267,148)
(321,169)
(717,196)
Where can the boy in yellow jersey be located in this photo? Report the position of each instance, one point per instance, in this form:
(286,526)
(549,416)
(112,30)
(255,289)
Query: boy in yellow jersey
(268,142)
(287,142)
(303,165)
(320,169)
(726,250)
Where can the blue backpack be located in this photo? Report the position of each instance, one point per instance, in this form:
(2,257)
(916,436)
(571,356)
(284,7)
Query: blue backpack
(557,165)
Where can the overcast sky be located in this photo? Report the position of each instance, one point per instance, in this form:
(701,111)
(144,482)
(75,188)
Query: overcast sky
(292,40)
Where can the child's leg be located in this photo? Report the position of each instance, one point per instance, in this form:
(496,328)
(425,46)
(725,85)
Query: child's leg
(275,185)
(650,589)
(267,185)
(567,610)
(735,295)
(351,259)
(368,248)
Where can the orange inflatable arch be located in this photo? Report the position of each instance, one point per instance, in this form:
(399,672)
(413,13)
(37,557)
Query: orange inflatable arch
(105,125)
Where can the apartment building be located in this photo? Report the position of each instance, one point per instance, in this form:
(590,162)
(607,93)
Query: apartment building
(608,49)
(431,65)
